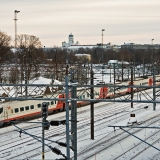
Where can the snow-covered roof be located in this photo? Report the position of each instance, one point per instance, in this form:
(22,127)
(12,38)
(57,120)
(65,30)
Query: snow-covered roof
(113,61)
(123,62)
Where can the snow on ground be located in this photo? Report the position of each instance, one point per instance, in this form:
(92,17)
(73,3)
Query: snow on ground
(103,155)
(106,155)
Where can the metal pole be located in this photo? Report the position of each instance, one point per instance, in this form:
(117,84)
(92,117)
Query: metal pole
(134,69)
(75,124)
(102,53)
(154,84)
(67,115)
(152,52)
(15,25)
(15,18)
(110,73)
(102,44)
(72,106)
(143,67)
(21,79)
(74,116)
(43,120)
(114,79)
(92,106)
(131,88)
(56,77)
(26,82)
(25,76)
(122,71)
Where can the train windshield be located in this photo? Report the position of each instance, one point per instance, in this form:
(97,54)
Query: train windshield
(1,110)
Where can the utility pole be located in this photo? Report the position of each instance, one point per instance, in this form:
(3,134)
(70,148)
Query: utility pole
(92,105)
(15,19)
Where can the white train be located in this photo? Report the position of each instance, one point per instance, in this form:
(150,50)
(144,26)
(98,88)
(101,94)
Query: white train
(22,110)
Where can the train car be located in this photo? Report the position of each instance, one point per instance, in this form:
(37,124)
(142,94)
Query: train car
(27,109)
(22,110)
(123,90)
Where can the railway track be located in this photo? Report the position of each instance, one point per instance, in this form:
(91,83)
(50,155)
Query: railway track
(139,148)
(113,139)
(107,114)
(60,132)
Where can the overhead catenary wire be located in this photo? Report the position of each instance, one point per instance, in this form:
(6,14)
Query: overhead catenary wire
(55,150)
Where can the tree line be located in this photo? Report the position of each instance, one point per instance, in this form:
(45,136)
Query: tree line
(31,59)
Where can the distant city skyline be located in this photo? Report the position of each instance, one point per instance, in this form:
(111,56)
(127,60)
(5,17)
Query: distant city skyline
(52,21)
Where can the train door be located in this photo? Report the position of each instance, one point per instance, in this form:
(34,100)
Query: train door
(4,113)
(150,82)
(60,104)
(103,92)
(1,114)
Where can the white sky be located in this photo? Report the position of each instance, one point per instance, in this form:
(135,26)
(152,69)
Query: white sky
(53,20)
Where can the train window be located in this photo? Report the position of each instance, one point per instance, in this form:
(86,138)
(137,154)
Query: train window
(1,110)
(55,102)
(16,110)
(39,105)
(52,102)
(32,107)
(87,94)
(83,96)
(22,109)
(48,103)
(27,108)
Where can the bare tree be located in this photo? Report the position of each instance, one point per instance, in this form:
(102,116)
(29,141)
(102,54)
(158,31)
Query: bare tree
(30,54)
(5,41)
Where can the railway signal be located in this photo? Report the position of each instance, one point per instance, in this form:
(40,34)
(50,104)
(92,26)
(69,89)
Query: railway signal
(44,110)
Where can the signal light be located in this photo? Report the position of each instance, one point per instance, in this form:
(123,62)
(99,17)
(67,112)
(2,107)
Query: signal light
(44,110)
